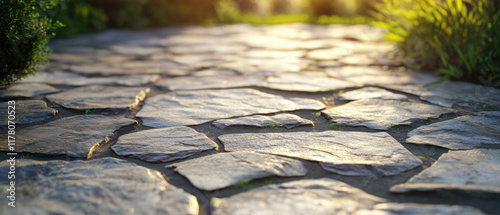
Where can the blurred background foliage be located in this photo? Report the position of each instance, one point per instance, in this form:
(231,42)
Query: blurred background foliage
(457,38)
(85,16)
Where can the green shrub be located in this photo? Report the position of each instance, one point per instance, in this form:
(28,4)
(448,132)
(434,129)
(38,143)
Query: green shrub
(78,17)
(459,38)
(23,34)
(122,13)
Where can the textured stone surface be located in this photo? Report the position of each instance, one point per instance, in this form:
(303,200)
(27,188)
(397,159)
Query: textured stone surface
(328,54)
(382,114)
(65,78)
(197,107)
(450,94)
(74,136)
(418,209)
(464,132)
(27,90)
(163,145)
(278,120)
(273,54)
(378,76)
(371,93)
(342,152)
(225,169)
(103,186)
(305,82)
(318,196)
(100,97)
(210,82)
(27,111)
(470,170)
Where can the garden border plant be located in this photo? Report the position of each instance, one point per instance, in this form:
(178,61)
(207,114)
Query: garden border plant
(460,39)
(24,31)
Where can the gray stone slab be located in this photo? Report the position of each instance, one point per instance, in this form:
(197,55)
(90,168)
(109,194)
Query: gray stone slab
(464,132)
(318,196)
(419,209)
(305,82)
(102,186)
(155,66)
(382,114)
(130,50)
(74,136)
(342,152)
(225,169)
(27,90)
(217,48)
(208,82)
(197,107)
(378,76)
(273,54)
(27,111)
(328,54)
(72,79)
(100,97)
(371,93)
(471,170)
(163,145)
(456,94)
(266,67)
(279,120)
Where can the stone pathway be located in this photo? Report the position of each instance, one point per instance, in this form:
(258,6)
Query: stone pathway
(240,119)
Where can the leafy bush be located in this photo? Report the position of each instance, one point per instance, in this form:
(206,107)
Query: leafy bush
(23,35)
(459,38)
(78,17)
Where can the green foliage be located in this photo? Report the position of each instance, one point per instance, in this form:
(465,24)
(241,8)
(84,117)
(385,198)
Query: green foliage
(23,34)
(334,126)
(460,38)
(228,11)
(78,17)
(122,13)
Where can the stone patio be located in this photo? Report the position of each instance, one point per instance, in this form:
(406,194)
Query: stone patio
(242,119)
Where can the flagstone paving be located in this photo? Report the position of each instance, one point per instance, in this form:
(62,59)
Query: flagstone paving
(243,119)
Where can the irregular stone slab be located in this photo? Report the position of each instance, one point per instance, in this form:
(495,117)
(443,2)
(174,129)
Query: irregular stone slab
(225,169)
(207,48)
(71,79)
(470,170)
(371,93)
(27,90)
(210,82)
(202,60)
(163,145)
(465,132)
(100,97)
(135,50)
(328,54)
(197,107)
(461,94)
(74,136)
(282,120)
(27,111)
(156,66)
(82,187)
(305,82)
(378,76)
(342,152)
(318,196)
(419,209)
(266,67)
(382,114)
(273,54)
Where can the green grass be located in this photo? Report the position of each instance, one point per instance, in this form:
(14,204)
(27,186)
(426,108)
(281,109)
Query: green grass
(458,39)
(274,125)
(334,126)
(89,112)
